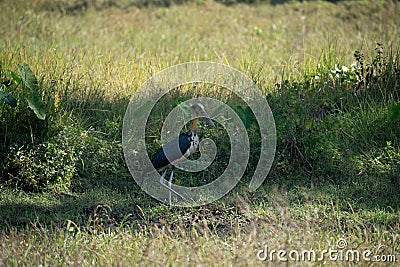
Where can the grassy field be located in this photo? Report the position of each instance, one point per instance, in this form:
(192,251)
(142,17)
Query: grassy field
(330,73)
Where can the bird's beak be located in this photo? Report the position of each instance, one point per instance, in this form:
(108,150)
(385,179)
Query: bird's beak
(198,111)
(208,119)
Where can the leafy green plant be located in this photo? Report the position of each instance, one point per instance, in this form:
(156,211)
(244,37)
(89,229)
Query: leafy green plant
(30,85)
(381,73)
(72,159)
(6,97)
(29,81)
(345,74)
(46,166)
(31,90)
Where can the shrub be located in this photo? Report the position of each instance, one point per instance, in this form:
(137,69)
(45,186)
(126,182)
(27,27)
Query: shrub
(42,167)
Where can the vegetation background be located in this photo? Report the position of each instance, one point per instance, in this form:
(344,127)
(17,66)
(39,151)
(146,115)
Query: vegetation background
(330,71)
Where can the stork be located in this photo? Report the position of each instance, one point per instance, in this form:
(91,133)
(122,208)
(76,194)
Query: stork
(179,148)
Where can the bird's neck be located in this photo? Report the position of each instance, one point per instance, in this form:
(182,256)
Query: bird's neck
(194,127)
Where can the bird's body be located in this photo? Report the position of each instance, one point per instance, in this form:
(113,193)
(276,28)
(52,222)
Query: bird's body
(188,143)
(179,148)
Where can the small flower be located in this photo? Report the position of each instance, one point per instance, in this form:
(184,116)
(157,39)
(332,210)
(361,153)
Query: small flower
(336,68)
(354,66)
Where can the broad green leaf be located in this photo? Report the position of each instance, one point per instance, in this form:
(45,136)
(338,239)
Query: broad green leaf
(7,98)
(28,78)
(37,106)
(30,81)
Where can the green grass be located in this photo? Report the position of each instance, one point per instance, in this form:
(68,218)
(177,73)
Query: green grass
(66,195)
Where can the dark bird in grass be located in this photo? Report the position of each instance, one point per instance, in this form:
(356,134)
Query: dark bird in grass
(179,148)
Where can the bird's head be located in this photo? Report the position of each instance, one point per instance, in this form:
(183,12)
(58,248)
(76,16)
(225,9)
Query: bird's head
(199,111)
